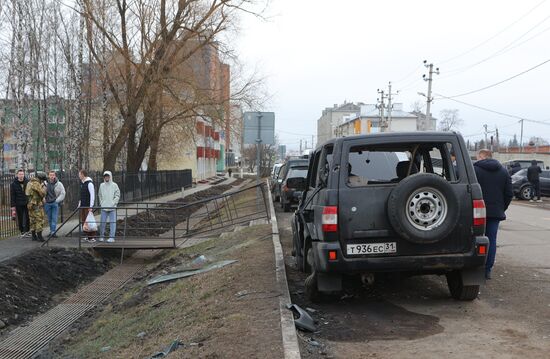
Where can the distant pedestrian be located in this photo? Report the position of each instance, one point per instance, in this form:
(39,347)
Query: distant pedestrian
(18,202)
(36,194)
(55,194)
(229,172)
(86,203)
(109,195)
(533,176)
(496,185)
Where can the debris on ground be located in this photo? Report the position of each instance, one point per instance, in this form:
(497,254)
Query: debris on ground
(30,282)
(189,273)
(172,347)
(302,319)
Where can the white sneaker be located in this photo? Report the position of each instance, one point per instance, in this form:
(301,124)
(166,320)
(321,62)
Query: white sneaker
(28,234)
(101,239)
(540,200)
(531,200)
(110,240)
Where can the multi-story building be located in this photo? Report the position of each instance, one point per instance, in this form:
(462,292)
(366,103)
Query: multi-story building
(332,117)
(369,120)
(34,139)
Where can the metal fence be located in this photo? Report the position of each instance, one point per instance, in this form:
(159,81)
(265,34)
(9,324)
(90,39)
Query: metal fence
(133,187)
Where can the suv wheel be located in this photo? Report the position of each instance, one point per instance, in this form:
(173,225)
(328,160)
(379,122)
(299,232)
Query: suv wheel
(526,192)
(458,290)
(298,257)
(310,288)
(423,208)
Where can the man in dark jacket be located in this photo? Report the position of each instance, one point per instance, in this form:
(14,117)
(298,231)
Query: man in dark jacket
(496,185)
(18,201)
(533,176)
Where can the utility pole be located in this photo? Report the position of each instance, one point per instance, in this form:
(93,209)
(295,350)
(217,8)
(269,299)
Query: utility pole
(429,98)
(390,106)
(498,140)
(486,144)
(381,106)
(312,147)
(521,137)
(300,146)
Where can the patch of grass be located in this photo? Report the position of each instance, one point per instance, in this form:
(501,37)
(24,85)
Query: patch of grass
(184,304)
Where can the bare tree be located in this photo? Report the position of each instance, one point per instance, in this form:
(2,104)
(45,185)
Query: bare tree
(450,120)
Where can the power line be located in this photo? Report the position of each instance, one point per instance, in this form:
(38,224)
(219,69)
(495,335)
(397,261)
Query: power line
(505,49)
(296,134)
(480,107)
(494,36)
(501,82)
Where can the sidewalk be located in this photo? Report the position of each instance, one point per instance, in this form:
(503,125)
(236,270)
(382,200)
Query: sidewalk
(16,246)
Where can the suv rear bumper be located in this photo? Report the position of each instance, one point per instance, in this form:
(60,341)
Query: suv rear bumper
(421,263)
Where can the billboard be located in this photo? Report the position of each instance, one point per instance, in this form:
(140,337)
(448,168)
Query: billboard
(259,127)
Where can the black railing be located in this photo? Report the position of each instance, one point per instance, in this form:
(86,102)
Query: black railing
(147,225)
(134,187)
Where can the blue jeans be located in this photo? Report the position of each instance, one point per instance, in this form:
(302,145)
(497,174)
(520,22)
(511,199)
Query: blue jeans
(111,217)
(51,212)
(491,230)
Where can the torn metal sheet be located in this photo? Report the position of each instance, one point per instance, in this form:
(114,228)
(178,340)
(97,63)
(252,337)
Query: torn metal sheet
(304,320)
(189,273)
(172,347)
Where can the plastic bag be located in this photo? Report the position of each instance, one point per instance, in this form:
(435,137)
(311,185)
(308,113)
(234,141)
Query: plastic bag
(90,225)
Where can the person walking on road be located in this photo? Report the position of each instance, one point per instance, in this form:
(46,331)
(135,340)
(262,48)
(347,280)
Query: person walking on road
(36,194)
(109,195)
(18,202)
(496,185)
(55,194)
(86,203)
(533,176)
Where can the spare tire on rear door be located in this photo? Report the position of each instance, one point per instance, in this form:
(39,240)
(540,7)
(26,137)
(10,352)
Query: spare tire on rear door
(423,208)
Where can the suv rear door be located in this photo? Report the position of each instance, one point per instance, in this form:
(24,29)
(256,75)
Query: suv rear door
(362,211)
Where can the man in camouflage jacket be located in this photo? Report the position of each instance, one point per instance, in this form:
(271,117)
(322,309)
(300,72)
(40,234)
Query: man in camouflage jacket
(36,192)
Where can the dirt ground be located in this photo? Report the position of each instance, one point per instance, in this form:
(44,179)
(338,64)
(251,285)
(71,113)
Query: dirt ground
(232,312)
(34,282)
(416,317)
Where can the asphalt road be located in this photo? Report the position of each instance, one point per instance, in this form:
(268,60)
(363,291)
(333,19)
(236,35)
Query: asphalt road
(416,317)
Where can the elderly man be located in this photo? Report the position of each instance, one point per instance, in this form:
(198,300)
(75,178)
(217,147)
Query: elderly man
(496,185)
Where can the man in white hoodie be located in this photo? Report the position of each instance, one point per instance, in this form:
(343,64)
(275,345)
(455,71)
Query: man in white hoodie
(109,195)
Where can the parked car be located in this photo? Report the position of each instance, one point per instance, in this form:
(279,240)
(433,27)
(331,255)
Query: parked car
(391,202)
(291,191)
(278,183)
(524,190)
(515,166)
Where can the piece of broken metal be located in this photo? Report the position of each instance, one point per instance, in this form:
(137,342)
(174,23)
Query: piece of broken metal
(172,347)
(189,273)
(304,321)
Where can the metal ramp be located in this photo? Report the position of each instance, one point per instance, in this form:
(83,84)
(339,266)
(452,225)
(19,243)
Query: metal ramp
(166,225)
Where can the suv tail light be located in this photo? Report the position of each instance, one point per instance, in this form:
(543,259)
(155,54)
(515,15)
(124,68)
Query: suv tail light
(330,219)
(480,212)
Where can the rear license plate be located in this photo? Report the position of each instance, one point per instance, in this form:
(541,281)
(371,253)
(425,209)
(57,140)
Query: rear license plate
(372,248)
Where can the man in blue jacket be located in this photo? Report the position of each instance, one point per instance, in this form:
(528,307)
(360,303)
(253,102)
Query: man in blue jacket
(496,185)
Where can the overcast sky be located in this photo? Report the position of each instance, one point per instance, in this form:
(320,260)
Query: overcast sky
(316,53)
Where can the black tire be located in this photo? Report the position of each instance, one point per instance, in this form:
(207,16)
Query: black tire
(310,288)
(298,257)
(429,195)
(458,290)
(286,207)
(307,248)
(526,192)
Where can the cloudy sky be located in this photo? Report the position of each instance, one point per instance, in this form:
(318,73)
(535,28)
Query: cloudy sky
(316,53)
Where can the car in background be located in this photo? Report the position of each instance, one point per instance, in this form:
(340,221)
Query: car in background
(275,170)
(523,189)
(278,182)
(291,191)
(514,166)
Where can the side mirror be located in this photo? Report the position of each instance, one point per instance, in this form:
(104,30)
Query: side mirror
(298,183)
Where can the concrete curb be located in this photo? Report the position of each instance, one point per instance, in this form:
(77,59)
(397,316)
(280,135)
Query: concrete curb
(291,347)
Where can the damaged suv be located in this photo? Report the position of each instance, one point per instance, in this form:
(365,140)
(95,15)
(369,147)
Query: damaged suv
(391,202)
